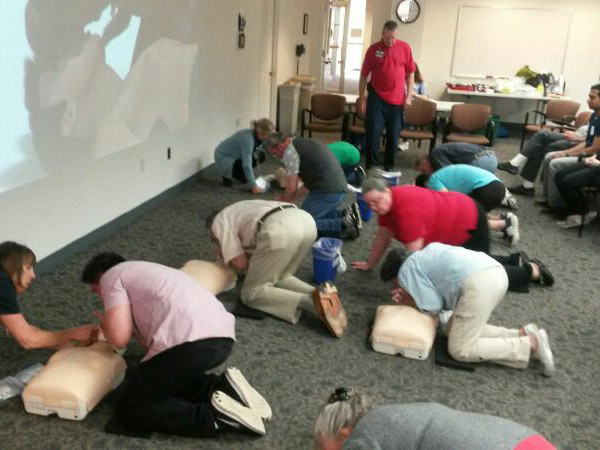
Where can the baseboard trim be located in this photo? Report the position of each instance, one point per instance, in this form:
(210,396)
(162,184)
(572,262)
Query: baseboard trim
(59,256)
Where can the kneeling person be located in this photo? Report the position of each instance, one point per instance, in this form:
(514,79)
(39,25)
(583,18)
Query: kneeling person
(185,332)
(269,240)
(442,277)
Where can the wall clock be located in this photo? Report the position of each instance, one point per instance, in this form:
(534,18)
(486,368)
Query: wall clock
(408,11)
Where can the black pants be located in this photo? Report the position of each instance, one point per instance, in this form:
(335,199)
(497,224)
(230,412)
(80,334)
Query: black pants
(170,393)
(237,171)
(489,196)
(571,179)
(518,276)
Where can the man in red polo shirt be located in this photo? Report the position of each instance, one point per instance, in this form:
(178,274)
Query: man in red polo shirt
(391,66)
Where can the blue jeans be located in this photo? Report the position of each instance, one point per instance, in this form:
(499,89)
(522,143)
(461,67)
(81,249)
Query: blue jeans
(380,114)
(324,209)
(488,162)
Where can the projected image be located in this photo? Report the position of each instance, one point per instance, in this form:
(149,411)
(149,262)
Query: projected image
(99,76)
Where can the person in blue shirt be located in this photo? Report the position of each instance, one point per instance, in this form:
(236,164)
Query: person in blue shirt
(444,277)
(479,184)
(236,156)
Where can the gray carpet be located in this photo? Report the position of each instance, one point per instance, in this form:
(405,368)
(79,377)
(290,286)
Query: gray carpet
(297,366)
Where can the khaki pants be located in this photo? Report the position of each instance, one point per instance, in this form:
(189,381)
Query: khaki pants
(470,338)
(283,241)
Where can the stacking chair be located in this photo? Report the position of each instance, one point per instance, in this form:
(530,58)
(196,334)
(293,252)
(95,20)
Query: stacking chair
(356,128)
(466,119)
(572,122)
(327,114)
(421,123)
(556,110)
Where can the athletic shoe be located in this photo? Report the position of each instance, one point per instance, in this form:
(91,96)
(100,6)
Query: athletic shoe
(542,203)
(508,167)
(575,220)
(403,146)
(544,352)
(356,212)
(511,231)
(546,277)
(531,329)
(511,201)
(522,190)
(231,414)
(329,308)
(350,229)
(524,258)
(250,396)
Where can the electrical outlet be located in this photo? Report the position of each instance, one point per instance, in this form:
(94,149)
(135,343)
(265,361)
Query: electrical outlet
(142,165)
(238,122)
(168,152)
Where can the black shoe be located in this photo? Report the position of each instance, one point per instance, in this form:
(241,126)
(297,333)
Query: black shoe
(508,167)
(522,190)
(227,182)
(356,212)
(546,278)
(350,229)
(524,258)
(541,203)
(555,212)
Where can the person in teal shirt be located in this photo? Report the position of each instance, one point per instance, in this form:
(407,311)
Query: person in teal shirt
(235,156)
(481,185)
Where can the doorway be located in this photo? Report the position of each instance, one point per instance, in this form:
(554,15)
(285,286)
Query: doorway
(343,45)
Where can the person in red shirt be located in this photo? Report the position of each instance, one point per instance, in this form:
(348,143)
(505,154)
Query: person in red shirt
(418,216)
(391,67)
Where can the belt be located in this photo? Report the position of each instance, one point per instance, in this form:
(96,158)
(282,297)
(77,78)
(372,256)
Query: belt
(271,212)
(482,153)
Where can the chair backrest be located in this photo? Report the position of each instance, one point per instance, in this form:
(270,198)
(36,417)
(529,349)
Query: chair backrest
(327,106)
(558,109)
(421,112)
(582,118)
(470,116)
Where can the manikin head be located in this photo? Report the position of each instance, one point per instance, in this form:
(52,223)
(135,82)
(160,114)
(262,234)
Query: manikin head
(377,195)
(594,98)
(96,267)
(338,417)
(389,32)
(423,165)
(18,262)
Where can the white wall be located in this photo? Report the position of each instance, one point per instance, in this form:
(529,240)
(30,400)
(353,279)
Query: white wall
(77,199)
(432,38)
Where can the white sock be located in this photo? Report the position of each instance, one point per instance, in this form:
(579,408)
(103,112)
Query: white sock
(519,160)
(528,184)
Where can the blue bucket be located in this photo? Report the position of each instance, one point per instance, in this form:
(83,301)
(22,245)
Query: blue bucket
(392,178)
(325,254)
(365,212)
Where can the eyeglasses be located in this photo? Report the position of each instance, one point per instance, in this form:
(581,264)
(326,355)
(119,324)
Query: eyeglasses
(341,394)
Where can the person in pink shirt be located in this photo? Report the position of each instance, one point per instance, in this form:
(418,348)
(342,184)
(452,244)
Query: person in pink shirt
(185,332)
(391,67)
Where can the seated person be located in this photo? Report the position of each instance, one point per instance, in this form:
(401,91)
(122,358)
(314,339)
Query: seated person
(16,275)
(557,161)
(268,240)
(481,185)
(236,156)
(349,421)
(457,153)
(531,157)
(443,277)
(416,217)
(349,158)
(312,162)
(570,181)
(185,332)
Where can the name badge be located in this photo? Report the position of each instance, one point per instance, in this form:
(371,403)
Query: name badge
(379,53)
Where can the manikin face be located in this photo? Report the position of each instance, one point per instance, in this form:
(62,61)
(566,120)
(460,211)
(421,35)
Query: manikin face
(594,100)
(27,276)
(379,202)
(389,37)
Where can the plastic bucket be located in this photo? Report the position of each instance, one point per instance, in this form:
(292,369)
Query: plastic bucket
(365,212)
(325,254)
(392,178)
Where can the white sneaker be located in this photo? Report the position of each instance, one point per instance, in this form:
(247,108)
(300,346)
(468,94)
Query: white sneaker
(511,202)
(544,353)
(236,415)
(570,222)
(403,146)
(512,229)
(531,329)
(250,396)
(589,217)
